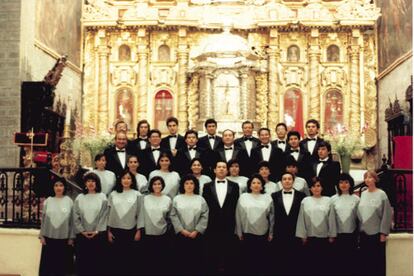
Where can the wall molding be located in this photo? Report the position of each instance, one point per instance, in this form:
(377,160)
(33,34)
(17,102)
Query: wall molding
(395,64)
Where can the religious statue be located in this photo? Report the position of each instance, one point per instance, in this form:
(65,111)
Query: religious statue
(293,53)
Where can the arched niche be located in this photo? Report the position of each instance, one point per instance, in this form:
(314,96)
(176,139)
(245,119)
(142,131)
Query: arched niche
(332,53)
(334,111)
(164,53)
(293,109)
(293,53)
(124,53)
(163,108)
(124,108)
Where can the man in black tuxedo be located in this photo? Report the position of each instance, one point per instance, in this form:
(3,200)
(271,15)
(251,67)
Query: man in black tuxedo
(286,203)
(230,151)
(301,156)
(149,156)
(182,161)
(221,196)
(116,155)
(267,152)
(211,141)
(326,169)
(312,141)
(247,142)
(281,140)
(141,143)
(174,141)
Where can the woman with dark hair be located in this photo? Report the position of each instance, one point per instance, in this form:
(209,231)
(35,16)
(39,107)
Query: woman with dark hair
(142,182)
(171,178)
(89,219)
(197,168)
(234,175)
(107,178)
(316,229)
(254,223)
(156,210)
(189,216)
(123,220)
(344,209)
(374,213)
(56,232)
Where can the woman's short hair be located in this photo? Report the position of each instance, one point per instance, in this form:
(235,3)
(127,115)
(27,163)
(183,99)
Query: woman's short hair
(132,156)
(99,156)
(286,172)
(195,181)
(263,164)
(118,186)
(61,180)
(262,181)
(232,162)
(314,181)
(373,174)
(164,155)
(94,177)
(346,177)
(194,160)
(152,181)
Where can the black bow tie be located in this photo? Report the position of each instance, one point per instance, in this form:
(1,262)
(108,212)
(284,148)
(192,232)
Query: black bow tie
(230,148)
(122,150)
(264,146)
(311,139)
(293,150)
(154,149)
(287,193)
(142,139)
(192,148)
(248,138)
(281,142)
(211,137)
(172,136)
(221,181)
(323,162)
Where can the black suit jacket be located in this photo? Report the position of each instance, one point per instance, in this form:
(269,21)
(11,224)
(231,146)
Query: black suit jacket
(248,167)
(238,154)
(182,160)
(221,220)
(147,161)
(304,164)
(112,160)
(276,142)
(277,164)
(239,142)
(204,143)
(329,176)
(135,146)
(165,142)
(304,144)
(284,229)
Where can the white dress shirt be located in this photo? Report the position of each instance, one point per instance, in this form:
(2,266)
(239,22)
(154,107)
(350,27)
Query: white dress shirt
(122,156)
(249,145)
(156,153)
(221,190)
(281,146)
(211,141)
(266,152)
(311,145)
(192,153)
(142,144)
(295,154)
(288,200)
(319,166)
(228,152)
(173,142)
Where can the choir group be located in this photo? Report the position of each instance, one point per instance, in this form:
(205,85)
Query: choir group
(216,205)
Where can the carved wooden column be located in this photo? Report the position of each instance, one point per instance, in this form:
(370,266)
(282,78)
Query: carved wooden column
(354,50)
(142,74)
(273,54)
(182,82)
(103,51)
(314,91)
(243,93)
(209,95)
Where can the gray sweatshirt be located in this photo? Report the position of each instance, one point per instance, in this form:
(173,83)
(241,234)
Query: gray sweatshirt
(124,209)
(155,211)
(108,180)
(172,182)
(90,213)
(57,220)
(189,212)
(344,207)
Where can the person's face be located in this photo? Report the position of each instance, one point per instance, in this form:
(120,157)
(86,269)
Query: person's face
(121,140)
(191,140)
(59,189)
(155,139)
(316,189)
(292,169)
(234,169)
(55,163)
(323,152)
(344,186)
(126,181)
(121,127)
(143,130)
(165,163)
(172,128)
(221,170)
(264,172)
(287,182)
(247,129)
(157,187)
(196,167)
(101,163)
(133,164)
(90,185)
(228,138)
(311,129)
(370,181)
(211,129)
(281,132)
(189,187)
(256,186)
(264,137)
(293,141)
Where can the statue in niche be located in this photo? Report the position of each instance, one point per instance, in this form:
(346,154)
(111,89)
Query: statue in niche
(293,53)
(124,106)
(227,94)
(333,111)
(124,53)
(164,53)
(332,53)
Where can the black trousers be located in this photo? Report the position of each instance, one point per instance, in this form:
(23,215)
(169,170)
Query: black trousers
(91,254)
(255,258)
(346,247)
(56,257)
(189,255)
(286,253)
(372,255)
(223,254)
(157,255)
(319,257)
